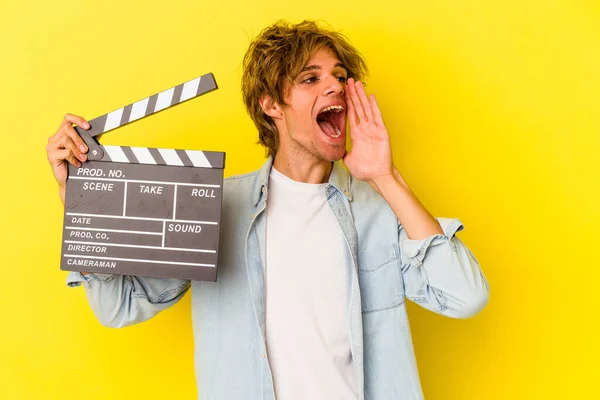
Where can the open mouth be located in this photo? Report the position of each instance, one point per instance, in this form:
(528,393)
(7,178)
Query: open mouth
(332,120)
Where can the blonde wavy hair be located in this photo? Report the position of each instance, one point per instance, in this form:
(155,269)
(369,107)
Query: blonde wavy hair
(276,56)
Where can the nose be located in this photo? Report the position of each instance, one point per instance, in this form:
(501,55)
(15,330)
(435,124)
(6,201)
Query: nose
(333,86)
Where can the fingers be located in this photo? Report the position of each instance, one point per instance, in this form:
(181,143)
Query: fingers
(360,101)
(362,95)
(77,120)
(66,145)
(77,141)
(376,111)
(355,100)
(350,111)
(58,148)
(67,126)
(57,157)
(67,138)
(75,146)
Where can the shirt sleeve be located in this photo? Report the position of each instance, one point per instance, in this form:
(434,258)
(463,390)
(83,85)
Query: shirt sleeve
(76,279)
(122,300)
(441,274)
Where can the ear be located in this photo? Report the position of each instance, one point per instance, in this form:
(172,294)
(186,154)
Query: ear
(270,106)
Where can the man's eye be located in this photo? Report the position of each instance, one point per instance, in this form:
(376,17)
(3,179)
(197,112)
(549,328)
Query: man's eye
(311,79)
(342,79)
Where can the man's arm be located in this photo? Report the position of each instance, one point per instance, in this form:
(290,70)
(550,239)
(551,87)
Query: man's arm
(439,272)
(122,300)
(416,220)
(370,160)
(117,300)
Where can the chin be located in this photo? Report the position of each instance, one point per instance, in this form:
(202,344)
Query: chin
(333,154)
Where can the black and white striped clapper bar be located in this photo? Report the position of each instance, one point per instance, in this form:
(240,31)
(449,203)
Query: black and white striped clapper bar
(144,211)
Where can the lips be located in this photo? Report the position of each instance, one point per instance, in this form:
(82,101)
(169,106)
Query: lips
(332,120)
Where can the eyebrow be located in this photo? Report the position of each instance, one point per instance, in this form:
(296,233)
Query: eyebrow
(314,66)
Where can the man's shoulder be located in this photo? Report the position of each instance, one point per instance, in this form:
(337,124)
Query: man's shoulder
(242,178)
(241,181)
(239,187)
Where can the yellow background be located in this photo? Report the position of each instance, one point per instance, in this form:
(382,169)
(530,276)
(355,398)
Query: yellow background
(493,112)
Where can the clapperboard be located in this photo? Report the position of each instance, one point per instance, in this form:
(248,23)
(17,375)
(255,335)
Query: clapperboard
(144,211)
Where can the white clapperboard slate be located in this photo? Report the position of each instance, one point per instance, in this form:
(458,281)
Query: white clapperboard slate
(144,211)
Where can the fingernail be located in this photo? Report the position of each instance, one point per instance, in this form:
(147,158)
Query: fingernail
(82,148)
(82,157)
(86,125)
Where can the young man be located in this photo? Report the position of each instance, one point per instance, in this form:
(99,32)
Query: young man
(316,260)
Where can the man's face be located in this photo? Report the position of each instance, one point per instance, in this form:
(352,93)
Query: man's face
(313,121)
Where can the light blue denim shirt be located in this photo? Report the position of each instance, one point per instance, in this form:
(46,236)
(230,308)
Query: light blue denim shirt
(439,273)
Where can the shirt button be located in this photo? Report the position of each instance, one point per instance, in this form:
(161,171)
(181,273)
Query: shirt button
(262,355)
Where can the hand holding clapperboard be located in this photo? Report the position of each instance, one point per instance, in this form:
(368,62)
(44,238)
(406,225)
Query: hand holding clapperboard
(144,211)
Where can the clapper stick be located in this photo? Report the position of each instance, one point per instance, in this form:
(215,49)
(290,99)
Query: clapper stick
(141,109)
(144,211)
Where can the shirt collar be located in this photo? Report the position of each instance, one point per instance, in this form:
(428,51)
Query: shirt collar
(263,180)
(339,178)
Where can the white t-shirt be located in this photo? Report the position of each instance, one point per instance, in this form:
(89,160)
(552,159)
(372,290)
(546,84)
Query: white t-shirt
(306,285)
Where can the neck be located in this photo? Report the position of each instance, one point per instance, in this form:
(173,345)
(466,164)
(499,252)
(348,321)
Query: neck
(316,171)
